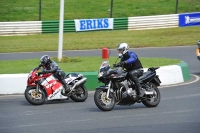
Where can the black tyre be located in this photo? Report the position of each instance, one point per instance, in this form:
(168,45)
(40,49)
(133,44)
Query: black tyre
(33,97)
(102,102)
(152,100)
(80,94)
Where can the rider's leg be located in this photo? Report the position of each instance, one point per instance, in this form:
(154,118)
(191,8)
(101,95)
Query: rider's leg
(60,76)
(133,75)
(65,85)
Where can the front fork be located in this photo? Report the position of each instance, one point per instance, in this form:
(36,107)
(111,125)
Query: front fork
(37,88)
(108,91)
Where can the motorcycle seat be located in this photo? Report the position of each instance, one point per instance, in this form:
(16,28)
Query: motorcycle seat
(145,74)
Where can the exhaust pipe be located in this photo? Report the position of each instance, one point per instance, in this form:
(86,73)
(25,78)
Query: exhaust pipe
(79,82)
(149,92)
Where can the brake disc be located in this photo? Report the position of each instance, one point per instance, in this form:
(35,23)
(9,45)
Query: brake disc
(104,99)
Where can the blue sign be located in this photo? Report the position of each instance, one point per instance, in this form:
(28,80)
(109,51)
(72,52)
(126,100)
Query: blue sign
(93,24)
(190,19)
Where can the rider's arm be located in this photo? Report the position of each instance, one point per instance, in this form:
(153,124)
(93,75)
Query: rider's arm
(132,59)
(54,68)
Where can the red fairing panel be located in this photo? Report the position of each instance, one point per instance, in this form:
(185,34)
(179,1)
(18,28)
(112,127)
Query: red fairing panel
(52,86)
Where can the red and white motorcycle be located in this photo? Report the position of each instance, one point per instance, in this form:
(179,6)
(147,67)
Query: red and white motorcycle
(45,87)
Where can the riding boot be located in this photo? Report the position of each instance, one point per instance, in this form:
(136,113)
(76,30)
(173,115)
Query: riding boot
(138,87)
(65,85)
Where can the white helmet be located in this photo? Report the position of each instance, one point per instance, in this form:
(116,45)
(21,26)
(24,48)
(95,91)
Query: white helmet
(198,42)
(122,49)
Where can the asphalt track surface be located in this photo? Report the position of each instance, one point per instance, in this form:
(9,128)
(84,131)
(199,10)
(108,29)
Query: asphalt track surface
(178,111)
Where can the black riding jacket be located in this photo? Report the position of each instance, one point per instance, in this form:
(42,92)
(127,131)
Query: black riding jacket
(51,68)
(132,61)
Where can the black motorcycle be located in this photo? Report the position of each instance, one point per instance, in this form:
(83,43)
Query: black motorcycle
(119,89)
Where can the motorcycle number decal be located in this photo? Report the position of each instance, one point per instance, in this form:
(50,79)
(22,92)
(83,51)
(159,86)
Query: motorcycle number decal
(50,85)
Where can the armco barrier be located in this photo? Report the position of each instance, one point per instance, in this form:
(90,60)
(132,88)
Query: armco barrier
(153,22)
(127,23)
(20,28)
(172,74)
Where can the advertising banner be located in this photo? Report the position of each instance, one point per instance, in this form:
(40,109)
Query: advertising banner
(190,19)
(93,24)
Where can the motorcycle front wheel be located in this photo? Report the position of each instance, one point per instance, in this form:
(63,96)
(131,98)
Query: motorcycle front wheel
(33,97)
(102,102)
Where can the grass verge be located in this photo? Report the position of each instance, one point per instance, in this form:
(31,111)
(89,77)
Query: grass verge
(99,39)
(85,64)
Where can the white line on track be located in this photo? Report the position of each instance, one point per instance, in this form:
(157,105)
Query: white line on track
(197,78)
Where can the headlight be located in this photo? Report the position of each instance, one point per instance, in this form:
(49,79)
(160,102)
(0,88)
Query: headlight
(100,74)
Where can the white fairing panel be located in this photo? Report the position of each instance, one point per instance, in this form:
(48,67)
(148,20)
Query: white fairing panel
(57,95)
(70,79)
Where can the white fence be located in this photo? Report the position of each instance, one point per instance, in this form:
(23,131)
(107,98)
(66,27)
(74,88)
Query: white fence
(134,23)
(153,22)
(20,28)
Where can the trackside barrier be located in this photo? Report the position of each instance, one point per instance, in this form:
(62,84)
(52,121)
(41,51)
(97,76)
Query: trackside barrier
(127,23)
(153,22)
(172,74)
(20,28)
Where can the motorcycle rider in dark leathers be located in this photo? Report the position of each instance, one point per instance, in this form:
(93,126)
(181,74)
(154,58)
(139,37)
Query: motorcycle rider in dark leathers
(131,62)
(49,66)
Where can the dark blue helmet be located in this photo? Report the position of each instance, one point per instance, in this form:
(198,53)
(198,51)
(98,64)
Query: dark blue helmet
(45,60)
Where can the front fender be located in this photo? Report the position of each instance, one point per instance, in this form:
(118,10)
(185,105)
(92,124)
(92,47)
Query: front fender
(102,88)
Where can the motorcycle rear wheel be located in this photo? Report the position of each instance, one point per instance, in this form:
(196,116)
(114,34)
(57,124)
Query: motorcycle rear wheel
(102,102)
(152,101)
(80,94)
(33,97)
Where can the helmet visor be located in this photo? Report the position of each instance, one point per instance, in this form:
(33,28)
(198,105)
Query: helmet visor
(120,51)
(42,62)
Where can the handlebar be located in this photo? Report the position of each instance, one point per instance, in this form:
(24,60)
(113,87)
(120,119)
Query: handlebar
(117,65)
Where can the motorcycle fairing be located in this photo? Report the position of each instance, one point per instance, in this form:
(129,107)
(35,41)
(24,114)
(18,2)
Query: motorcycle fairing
(102,87)
(57,94)
(51,85)
(71,77)
(53,88)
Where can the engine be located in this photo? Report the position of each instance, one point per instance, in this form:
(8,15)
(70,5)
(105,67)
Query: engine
(128,91)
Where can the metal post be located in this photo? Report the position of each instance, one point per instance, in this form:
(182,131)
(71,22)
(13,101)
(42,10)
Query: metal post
(176,7)
(111,6)
(60,41)
(40,9)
